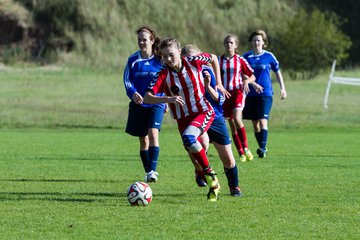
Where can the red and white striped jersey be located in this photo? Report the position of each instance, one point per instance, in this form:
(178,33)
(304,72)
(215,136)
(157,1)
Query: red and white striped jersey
(187,83)
(231,71)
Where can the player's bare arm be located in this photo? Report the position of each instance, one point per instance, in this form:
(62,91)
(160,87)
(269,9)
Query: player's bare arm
(280,79)
(246,81)
(216,67)
(151,98)
(213,93)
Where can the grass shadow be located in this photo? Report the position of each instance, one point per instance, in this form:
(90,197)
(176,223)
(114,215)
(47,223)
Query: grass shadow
(61,197)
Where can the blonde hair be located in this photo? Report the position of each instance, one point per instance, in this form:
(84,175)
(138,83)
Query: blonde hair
(259,33)
(235,38)
(190,50)
(169,42)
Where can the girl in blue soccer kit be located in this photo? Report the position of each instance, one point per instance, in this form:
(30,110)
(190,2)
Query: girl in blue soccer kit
(144,120)
(259,100)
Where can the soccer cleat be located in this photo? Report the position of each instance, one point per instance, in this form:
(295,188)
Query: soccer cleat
(242,158)
(211,179)
(214,186)
(261,153)
(248,154)
(213,194)
(236,192)
(152,176)
(200,181)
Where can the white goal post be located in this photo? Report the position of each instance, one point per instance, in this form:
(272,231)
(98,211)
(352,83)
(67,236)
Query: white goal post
(341,80)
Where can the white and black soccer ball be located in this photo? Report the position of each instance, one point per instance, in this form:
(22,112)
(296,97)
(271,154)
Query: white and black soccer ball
(139,194)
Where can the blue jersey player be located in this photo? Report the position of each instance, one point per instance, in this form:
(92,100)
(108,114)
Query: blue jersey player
(259,100)
(217,133)
(144,120)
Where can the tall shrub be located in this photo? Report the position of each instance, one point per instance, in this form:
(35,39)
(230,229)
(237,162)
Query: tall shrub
(310,42)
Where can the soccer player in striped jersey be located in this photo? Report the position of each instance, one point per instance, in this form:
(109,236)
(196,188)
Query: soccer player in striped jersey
(259,100)
(218,133)
(236,75)
(144,120)
(183,85)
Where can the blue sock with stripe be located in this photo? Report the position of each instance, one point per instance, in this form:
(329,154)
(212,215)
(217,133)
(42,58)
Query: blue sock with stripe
(264,136)
(153,157)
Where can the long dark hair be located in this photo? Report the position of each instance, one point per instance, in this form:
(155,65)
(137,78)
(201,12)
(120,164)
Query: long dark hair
(155,46)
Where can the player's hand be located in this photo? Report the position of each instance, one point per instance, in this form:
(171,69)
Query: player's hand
(258,88)
(283,94)
(207,78)
(223,90)
(137,98)
(166,108)
(177,100)
(246,87)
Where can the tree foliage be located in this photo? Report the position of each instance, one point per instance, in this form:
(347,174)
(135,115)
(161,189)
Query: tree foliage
(349,12)
(103,31)
(310,42)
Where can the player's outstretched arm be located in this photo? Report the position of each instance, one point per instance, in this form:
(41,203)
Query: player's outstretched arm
(151,98)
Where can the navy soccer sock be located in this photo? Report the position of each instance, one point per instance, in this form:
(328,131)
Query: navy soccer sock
(145,159)
(264,136)
(232,176)
(153,157)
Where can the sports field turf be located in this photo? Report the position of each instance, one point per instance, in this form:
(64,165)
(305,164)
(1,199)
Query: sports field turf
(71,184)
(66,163)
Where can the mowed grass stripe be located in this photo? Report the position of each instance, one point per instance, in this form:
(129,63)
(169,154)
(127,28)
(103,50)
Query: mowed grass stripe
(71,184)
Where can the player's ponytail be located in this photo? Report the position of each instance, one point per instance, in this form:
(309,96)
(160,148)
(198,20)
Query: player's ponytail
(156,47)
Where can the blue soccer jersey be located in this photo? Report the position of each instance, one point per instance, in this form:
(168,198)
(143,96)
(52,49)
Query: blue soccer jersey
(262,64)
(139,72)
(217,105)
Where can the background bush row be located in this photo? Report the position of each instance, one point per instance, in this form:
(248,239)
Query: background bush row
(305,39)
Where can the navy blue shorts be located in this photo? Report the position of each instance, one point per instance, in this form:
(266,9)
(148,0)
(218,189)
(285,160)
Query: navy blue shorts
(218,132)
(140,119)
(257,107)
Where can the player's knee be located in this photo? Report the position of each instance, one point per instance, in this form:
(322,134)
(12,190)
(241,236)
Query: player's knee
(188,140)
(191,143)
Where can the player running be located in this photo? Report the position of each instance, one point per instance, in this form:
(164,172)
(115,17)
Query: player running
(259,100)
(236,74)
(217,133)
(185,93)
(144,120)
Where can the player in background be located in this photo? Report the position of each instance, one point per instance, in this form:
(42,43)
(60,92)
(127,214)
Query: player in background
(236,75)
(259,100)
(217,133)
(144,120)
(185,93)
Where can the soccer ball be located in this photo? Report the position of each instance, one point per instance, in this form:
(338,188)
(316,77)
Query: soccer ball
(139,194)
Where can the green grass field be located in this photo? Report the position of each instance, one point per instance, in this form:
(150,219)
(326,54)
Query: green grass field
(71,184)
(66,163)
